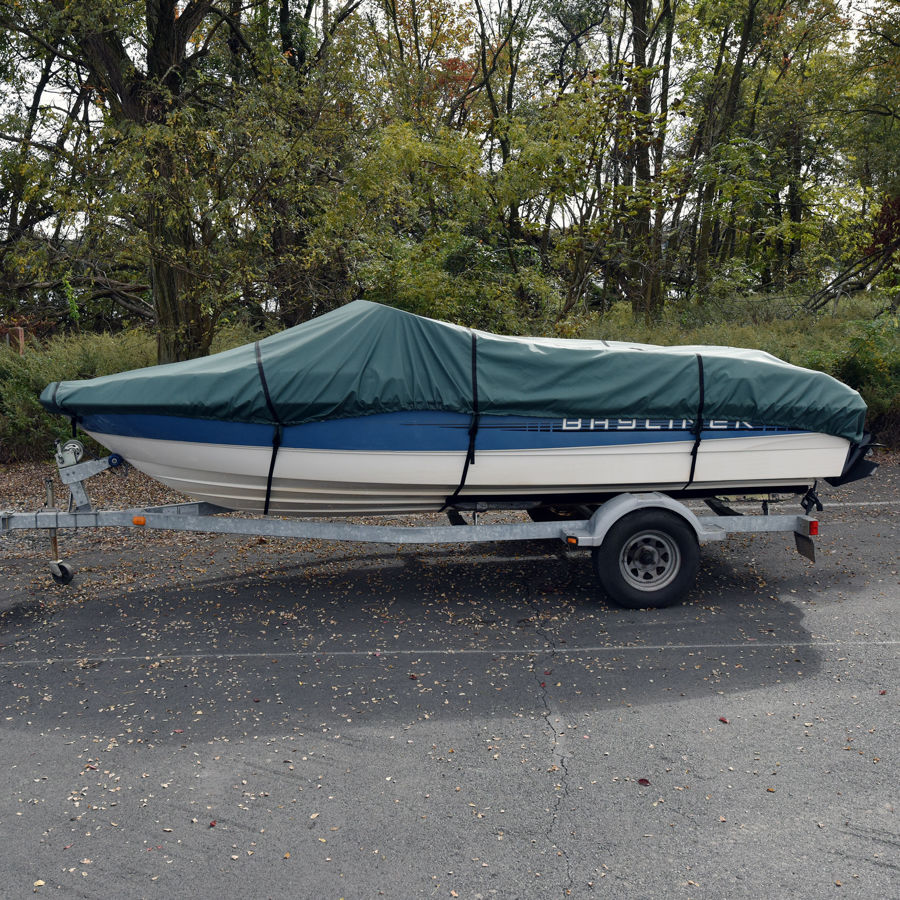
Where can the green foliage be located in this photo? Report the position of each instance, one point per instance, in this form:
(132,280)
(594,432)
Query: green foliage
(237,334)
(517,166)
(26,431)
(867,358)
(71,300)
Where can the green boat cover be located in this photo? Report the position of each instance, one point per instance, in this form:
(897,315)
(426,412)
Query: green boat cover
(366,358)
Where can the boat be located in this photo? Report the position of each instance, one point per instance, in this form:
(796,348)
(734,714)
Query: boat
(371,410)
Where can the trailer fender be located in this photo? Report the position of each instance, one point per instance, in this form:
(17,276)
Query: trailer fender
(620,506)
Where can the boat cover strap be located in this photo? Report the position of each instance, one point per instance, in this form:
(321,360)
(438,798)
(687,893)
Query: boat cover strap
(279,428)
(276,443)
(698,421)
(473,426)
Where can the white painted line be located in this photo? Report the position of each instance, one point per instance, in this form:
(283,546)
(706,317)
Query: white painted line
(286,656)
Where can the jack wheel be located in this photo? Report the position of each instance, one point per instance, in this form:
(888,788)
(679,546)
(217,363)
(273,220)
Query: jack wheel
(61,573)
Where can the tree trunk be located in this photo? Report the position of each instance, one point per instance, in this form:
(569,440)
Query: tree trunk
(643,274)
(704,238)
(184,331)
(657,266)
(720,130)
(794,197)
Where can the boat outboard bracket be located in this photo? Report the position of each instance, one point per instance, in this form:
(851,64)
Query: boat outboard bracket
(811,500)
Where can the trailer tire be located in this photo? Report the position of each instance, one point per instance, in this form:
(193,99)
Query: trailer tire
(648,559)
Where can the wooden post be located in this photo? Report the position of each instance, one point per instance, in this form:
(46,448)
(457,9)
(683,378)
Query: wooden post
(20,334)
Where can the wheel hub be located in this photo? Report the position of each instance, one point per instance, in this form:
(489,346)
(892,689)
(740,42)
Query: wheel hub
(650,560)
(648,556)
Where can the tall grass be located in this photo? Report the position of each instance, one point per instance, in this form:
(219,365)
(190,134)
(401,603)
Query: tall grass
(26,430)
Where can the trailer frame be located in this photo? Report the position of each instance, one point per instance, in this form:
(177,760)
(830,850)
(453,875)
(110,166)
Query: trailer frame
(652,563)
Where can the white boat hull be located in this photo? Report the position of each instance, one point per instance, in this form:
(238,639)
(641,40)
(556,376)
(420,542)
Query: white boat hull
(310,482)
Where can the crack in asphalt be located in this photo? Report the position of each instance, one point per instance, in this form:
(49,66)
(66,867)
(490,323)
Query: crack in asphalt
(560,758)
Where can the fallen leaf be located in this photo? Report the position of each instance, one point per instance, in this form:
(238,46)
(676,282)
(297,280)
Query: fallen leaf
(644,782)
(723,719)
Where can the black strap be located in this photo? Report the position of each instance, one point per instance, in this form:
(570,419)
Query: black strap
(473,426)
(276,443)
(279,427)
(698,422)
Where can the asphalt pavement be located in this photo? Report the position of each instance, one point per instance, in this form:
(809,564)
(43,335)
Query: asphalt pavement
(233,717)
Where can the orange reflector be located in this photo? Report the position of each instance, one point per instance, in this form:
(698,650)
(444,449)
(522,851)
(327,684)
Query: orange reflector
(813,528)
(139,520)
(572,540)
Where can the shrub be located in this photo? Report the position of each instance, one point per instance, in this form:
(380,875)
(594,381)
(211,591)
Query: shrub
(26,430)
(869,360)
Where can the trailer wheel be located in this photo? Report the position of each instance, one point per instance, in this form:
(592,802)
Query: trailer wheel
(648,559)
(61,572)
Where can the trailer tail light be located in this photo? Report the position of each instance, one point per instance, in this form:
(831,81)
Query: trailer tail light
(813,527)
(572,541)
(139,520)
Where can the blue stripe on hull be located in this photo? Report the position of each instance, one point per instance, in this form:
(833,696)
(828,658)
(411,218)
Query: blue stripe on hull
(424,431)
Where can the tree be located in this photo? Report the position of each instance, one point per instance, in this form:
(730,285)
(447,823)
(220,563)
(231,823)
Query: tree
(162,79)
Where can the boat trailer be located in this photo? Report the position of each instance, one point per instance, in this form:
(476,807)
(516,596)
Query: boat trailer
(644,545)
